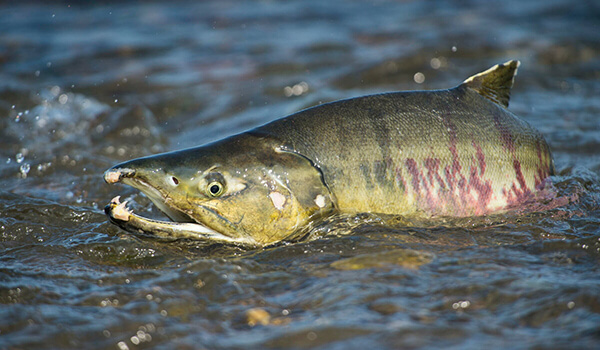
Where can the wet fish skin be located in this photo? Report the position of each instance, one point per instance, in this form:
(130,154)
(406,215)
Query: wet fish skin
(449,152)
(456,152)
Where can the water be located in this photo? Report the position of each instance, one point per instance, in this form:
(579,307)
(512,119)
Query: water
(83,87)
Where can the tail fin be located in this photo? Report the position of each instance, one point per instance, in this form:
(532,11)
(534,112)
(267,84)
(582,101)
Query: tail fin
(496,82)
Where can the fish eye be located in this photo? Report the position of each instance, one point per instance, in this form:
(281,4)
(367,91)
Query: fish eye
(215,189)
(175,180)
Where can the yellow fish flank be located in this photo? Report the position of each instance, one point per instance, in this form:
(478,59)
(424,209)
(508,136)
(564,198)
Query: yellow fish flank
(457,152)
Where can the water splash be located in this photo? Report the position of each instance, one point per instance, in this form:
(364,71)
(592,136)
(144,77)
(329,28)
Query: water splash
(24,169)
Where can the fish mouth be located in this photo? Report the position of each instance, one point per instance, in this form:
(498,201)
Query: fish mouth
(182,226)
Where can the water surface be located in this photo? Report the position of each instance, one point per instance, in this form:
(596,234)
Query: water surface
(83,87)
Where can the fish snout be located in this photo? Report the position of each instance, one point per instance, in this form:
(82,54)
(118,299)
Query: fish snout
(114,175)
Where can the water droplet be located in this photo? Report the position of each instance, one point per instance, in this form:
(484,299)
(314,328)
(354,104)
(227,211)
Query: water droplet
(24,169)
(419,78)
(135,340)
(62,99)
(19,157)
(454,49)
(55,90)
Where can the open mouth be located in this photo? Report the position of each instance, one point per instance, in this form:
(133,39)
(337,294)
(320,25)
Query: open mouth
(182,226)
(120,214)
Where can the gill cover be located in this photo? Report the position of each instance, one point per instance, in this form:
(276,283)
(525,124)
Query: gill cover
(282,197)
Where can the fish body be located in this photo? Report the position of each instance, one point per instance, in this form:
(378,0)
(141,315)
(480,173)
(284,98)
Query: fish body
(456,152)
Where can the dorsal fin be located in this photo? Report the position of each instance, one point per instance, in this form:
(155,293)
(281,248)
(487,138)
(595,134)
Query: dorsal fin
(495,83)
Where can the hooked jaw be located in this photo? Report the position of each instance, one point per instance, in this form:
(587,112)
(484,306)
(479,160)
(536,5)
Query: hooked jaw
(182,226)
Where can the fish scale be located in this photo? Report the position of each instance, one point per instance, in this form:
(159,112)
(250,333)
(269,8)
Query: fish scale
(453,153)
(457,152)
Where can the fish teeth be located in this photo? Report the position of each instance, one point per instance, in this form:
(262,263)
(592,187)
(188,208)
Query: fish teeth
(116,200)
(120,210)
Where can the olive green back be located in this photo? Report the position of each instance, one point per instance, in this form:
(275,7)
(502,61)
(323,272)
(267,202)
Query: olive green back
(447,152)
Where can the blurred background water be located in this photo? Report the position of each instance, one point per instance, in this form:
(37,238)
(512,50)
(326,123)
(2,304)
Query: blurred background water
(84,85)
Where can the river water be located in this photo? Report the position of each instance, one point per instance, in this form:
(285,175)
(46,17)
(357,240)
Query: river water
(84,86)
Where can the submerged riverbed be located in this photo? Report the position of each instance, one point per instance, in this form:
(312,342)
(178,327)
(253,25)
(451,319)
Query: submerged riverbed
(84,87)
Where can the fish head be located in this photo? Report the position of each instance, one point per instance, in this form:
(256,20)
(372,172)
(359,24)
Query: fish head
(245,189)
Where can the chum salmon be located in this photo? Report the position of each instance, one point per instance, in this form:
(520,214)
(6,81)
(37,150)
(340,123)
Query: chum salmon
(417,154)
